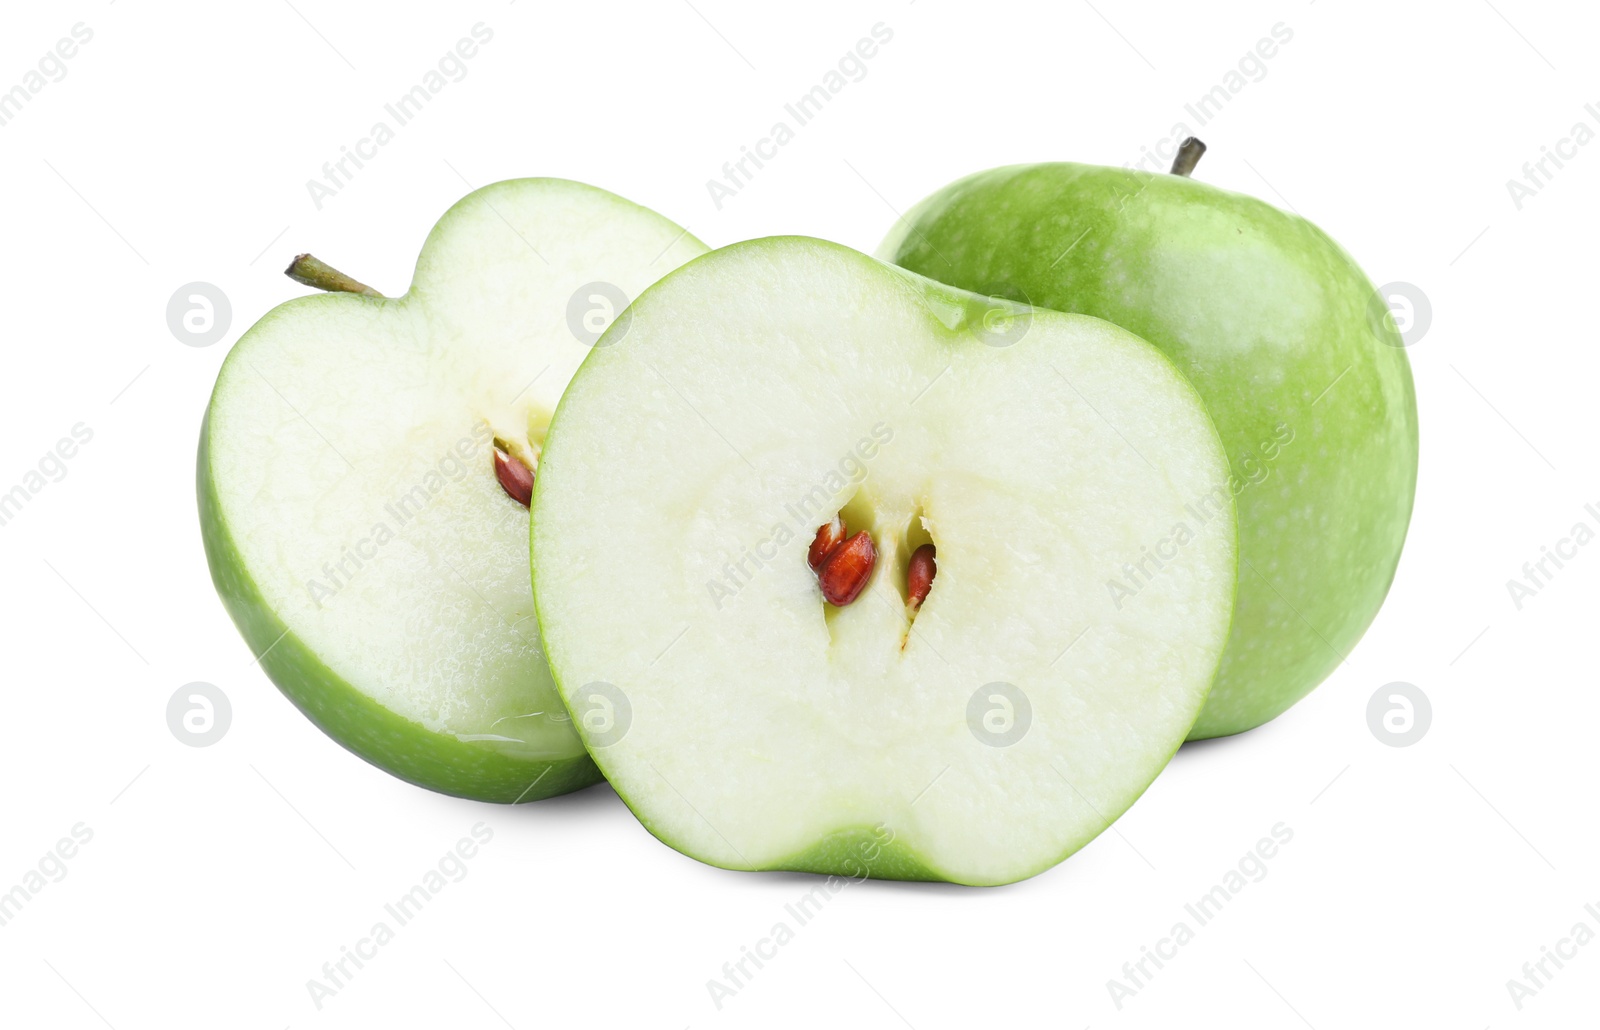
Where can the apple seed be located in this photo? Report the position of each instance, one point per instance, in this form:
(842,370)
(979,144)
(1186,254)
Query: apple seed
(846,571)
(829,537)
(514,476)
(919,576)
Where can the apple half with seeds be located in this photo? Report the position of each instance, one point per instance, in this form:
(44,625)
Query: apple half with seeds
(364,474)
(821,556)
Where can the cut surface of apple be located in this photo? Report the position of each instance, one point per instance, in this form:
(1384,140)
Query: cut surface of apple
(355,502)
(978,737)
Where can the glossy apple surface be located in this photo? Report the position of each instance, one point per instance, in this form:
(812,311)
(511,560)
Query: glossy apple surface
(1279,331)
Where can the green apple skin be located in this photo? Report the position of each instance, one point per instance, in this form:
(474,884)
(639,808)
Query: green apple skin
(1274,324)
(862,853)
(437,761)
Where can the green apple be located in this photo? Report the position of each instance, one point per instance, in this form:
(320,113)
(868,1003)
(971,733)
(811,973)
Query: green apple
(1283,336)
(359,474)
(951,695)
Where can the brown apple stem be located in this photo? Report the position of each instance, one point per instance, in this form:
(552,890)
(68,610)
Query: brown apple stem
(1189,152)
(323,276)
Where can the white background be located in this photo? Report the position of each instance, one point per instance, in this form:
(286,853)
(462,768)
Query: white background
(220,879)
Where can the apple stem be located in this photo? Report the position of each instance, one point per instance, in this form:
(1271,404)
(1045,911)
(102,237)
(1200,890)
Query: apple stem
(323,276)
(1189,152)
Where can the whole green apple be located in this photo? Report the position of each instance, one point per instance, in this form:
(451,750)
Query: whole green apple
(1279,330)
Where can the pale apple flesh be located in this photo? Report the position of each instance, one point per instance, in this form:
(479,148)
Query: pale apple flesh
(1278,330)
(352,515)
(761,390)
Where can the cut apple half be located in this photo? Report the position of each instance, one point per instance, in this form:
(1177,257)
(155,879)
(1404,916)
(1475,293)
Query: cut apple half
(1043,606)
(365,469)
